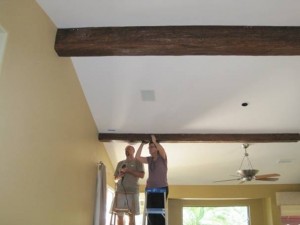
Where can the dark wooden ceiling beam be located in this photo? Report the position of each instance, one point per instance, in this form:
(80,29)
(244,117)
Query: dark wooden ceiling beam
(178,40)
(243,138)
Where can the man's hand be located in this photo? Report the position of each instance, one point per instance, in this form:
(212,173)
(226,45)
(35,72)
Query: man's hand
(123,171)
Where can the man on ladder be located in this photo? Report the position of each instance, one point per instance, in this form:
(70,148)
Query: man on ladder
(126,199)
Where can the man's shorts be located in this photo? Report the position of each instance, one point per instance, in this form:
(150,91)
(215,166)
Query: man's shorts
(124,201)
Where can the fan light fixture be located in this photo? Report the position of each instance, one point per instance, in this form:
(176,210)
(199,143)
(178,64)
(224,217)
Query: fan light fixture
(249,173)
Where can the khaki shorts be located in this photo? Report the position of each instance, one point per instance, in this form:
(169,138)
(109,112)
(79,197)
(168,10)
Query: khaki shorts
(123,201)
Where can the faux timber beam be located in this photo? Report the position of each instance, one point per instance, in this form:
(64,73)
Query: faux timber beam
(243,138)
(178,40)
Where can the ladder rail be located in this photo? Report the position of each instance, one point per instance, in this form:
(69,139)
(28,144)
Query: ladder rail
(162,211)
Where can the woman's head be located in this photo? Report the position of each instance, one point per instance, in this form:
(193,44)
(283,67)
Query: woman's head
(152,149)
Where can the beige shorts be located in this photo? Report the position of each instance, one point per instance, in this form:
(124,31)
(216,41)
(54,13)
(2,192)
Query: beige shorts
(124,202)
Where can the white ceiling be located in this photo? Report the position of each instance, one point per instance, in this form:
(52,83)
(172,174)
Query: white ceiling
(193,94)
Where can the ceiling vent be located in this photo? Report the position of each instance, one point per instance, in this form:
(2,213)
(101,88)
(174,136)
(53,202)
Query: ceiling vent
(148,95)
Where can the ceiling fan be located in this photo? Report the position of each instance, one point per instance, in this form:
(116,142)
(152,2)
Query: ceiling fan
(250,173)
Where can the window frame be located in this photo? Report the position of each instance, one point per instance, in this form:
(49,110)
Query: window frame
(218,206)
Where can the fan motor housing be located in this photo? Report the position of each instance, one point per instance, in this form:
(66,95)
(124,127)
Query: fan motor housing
(249,172)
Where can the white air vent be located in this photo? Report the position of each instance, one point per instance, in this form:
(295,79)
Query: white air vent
(148,95)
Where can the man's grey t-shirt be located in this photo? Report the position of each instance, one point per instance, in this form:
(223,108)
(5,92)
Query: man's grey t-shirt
(129,184)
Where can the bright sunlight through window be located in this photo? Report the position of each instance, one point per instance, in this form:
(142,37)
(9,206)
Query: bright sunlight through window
(109,200)
(231,215)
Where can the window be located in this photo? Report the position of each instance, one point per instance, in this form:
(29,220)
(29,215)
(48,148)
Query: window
(229,215)
(139,218)
(109,199)
(110,193)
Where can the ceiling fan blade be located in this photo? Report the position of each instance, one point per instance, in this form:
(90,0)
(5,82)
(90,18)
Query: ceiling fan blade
(226,180)
(267,179)
(267,175)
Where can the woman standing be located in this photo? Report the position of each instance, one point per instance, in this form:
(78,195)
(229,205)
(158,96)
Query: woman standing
(157,178)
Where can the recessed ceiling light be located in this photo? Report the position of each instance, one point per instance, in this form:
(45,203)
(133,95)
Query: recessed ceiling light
(148,95)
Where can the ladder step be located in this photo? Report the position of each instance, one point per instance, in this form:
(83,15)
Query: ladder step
(155,190)
(159,195)
(155,211)
(117,210)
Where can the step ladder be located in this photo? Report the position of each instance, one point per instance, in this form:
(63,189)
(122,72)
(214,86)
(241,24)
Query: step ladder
(160,210)
(115,211)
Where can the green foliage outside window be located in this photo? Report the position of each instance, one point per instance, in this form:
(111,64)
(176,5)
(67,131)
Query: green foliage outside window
(236,215)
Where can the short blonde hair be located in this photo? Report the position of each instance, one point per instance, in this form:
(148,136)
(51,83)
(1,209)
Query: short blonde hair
(129,146)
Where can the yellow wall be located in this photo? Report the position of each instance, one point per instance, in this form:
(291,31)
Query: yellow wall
(255,206)
(261,200)
(48,139)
